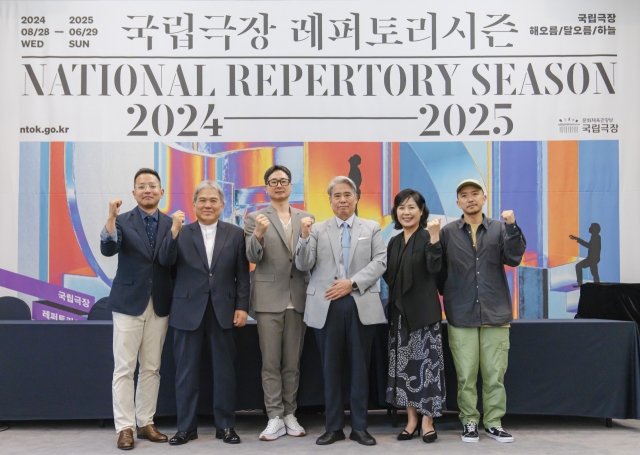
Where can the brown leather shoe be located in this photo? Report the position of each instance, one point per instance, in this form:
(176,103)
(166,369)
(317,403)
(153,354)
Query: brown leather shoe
(125,440)
(151,433)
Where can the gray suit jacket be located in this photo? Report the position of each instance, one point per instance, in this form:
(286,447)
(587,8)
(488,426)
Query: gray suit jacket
(276,276)
(367,263)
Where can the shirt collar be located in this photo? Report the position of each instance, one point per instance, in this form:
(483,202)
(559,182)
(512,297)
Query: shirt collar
(348,220)
(211,227)
(144,214)
(462,222)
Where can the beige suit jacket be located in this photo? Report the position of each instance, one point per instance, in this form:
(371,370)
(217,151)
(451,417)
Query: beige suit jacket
(276,277)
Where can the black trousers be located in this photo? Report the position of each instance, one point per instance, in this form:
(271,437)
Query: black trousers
(187,347)
(344,341)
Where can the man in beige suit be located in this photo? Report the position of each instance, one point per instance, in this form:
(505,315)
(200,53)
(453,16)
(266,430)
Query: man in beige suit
(278,293)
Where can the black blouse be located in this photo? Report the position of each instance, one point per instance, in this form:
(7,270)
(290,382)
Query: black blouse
(412,269)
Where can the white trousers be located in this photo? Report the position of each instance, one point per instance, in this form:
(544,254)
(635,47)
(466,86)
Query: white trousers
(136,337)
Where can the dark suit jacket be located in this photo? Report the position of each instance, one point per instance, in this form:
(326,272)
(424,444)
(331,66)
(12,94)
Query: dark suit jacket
(227,281)
(419,292)
(139,274)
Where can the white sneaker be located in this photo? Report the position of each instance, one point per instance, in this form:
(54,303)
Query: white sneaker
(293,427)
(275,429)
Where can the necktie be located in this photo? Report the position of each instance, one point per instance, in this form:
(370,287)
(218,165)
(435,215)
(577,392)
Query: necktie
(346,248)
(150,234)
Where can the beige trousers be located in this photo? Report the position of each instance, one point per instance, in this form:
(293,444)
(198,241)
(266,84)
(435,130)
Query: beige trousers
(281,340)
(136,338)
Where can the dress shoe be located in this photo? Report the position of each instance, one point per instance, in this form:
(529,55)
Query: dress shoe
(182,437)
(228,435)
(151,433)
(125,439)
(406,436)
(330,437)
(430,436)
(363,437)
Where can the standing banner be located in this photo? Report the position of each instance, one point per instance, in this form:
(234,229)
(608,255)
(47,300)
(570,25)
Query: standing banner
(539,103)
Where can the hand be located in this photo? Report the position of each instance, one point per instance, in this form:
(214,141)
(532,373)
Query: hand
(508,216)
(178,221)
(339,289)
(434,230)
(262,224)
(305,226)
(573,237)
(240,318)
(114,207)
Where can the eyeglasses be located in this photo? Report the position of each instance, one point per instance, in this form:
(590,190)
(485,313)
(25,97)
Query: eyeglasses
(282,182)
(151,186)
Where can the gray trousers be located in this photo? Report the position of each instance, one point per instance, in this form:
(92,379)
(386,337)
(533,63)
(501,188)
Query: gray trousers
(281,340)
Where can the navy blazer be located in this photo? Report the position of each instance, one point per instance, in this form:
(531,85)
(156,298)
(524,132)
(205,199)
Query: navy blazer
(226,281)
(139,275)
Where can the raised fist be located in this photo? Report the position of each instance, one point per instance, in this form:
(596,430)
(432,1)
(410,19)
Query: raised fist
(177,221)
(434,230)
(508,216)
(305,226)
(262,224)
(114,207)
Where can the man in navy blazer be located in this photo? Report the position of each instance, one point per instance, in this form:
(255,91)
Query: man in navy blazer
(140,300)
(211,297)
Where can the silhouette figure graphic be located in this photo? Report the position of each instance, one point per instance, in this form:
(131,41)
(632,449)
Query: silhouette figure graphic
(356,175)
(594,246)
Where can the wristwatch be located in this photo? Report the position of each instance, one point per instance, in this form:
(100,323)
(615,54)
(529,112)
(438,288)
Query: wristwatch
(354,285)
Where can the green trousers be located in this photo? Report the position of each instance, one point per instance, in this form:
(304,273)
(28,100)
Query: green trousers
(486,348)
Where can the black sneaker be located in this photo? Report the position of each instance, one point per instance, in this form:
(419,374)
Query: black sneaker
(499,434)
(470,432)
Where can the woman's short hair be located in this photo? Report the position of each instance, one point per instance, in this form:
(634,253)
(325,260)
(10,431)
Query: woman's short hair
(418,199)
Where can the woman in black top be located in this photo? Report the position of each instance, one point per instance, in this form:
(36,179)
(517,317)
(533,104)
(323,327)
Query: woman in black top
(416,366)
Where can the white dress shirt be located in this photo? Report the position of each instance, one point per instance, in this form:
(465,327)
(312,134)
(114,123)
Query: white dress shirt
(209,236)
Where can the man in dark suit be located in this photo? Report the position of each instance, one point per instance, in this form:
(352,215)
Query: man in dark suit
(140,299)
(211,296)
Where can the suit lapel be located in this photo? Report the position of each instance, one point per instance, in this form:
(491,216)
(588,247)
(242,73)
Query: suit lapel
(356,230)
(162,229)
(221,238)
(334,239)
(198,241)
(277,224)
(138,224)
(295,219)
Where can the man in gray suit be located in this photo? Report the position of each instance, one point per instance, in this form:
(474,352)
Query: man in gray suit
(347,257)
(278,298)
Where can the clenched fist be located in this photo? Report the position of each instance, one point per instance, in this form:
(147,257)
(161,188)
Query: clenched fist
(114,207)
(305,226)
(177,221)
(262,224)
(434,230)
(508,216)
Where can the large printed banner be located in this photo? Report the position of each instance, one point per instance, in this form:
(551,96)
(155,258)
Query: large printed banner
(538,102)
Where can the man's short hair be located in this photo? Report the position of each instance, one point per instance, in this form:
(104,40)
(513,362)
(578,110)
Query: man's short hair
(146,170)
(341,179)
(208,184)
(274,168)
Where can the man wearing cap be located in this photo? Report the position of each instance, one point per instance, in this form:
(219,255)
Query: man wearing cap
(477,303)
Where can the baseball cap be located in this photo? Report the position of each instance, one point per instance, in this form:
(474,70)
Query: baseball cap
(469,182)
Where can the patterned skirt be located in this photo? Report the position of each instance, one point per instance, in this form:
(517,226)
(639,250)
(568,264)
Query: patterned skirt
(416,368)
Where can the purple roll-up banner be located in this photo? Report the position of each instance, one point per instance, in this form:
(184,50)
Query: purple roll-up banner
(47,291)
(40,311)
